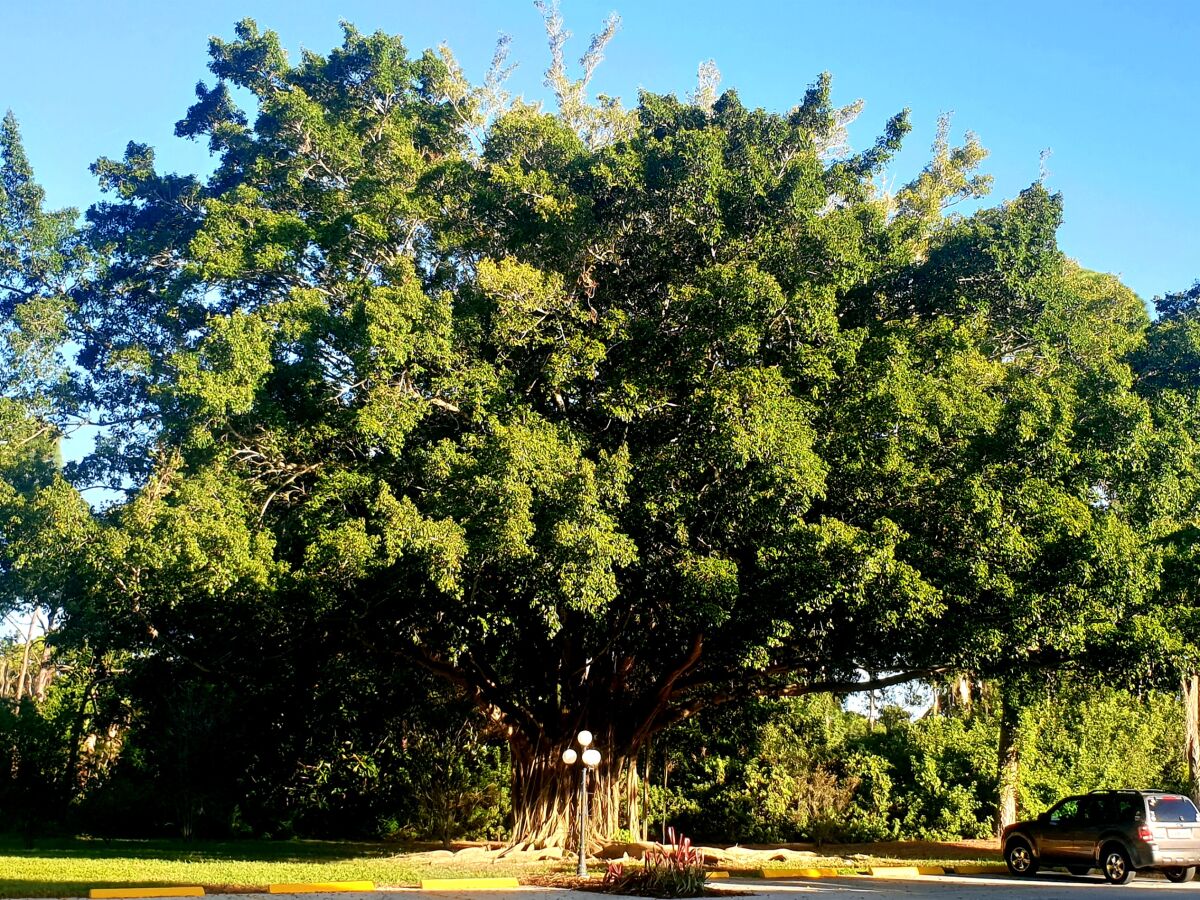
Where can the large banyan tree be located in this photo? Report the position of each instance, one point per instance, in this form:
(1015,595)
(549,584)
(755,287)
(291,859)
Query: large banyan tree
(601,415)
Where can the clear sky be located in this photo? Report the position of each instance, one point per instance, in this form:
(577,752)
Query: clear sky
(1113,89)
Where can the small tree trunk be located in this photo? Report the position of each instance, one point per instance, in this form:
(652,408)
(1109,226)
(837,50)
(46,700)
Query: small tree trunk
(666,764)
(25,656)
(1191,708)
(962,687)
(607,800)
(633,795)
(646,776)
(1009,769)
(871,705)
(70,782)
(46,672)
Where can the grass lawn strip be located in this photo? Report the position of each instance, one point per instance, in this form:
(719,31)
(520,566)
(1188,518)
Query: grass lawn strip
(69,868)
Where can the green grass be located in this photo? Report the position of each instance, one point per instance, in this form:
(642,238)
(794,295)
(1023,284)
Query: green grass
(67,868)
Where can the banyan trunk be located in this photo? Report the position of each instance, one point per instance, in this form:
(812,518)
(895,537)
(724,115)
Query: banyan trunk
(546,798)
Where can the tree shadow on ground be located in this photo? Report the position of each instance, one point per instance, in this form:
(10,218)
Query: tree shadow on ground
(179,850)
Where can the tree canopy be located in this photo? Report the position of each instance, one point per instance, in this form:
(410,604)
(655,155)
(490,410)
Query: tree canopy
(603,416)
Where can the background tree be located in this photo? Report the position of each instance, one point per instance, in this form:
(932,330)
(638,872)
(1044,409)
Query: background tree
(41,514)
(1001,393)
(1169,377)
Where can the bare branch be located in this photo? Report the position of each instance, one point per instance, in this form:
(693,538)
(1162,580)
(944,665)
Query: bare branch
(708,77)
(595,51)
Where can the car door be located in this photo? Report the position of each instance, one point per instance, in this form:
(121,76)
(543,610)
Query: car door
(1058,832)
(1095,813)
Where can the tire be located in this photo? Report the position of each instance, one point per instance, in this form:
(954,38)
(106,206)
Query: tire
(1180,874)
(1018,856)
(1116,864)
(1079,870)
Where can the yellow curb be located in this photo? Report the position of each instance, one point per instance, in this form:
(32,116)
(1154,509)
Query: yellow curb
(893,871)
(321,887)
(799,873)
(112,893)
(468,884)
(980,870)
(931,870)
(718,874)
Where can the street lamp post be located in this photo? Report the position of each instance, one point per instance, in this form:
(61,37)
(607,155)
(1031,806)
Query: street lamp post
(590,758)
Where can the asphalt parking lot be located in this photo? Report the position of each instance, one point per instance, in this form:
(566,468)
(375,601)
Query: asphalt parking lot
(1048,886)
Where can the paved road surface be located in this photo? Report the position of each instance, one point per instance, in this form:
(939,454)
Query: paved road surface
(1049,886)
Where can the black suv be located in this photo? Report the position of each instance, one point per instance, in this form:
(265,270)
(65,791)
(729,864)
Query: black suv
(1120,832)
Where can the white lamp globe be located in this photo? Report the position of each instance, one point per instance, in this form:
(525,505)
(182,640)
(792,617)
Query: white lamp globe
(591,757)
(585,738)
(569,756)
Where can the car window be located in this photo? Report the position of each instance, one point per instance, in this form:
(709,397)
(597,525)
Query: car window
(1172,808)
(1067,811)
(1129,809)
(1095,810)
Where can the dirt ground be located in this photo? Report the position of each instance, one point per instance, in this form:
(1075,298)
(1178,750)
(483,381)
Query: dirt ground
(984,848)
(988,848)
(929,851)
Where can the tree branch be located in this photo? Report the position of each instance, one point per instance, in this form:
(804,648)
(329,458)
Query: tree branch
(687,710)
(666,688)
(484,692)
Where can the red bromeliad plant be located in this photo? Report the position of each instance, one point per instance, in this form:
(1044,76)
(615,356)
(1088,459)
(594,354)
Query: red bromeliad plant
(676,870)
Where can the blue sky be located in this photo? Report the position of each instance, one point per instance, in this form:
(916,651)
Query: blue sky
(1112,88)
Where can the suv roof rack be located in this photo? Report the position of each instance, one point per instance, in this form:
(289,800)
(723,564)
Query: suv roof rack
(1129,791)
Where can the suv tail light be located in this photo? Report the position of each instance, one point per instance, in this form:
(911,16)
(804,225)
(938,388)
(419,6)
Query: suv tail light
(1146,833)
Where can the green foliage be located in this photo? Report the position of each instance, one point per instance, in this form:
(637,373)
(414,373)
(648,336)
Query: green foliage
(418,771)
(1084,738)
(809,770)
(39,253)
(941,769)
(32,756)
(402,365)
(604,417)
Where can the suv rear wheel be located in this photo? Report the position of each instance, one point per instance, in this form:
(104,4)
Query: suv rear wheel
(1018,856)
(1116,864)
(1180,874)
